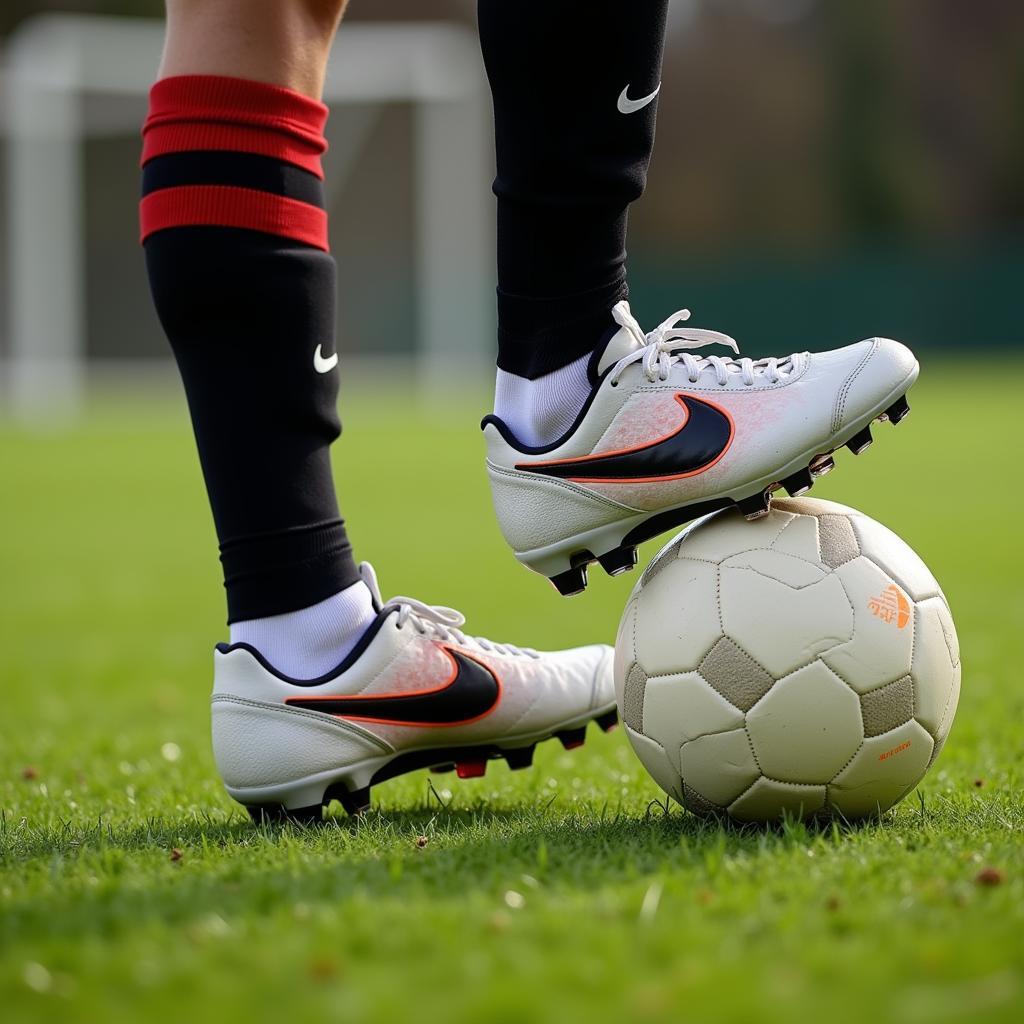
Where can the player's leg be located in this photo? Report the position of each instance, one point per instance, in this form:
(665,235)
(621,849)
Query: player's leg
(236,246)
(604,435)
(574,86)
(325,687)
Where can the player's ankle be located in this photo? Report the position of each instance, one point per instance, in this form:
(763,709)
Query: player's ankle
(538,393)
(540,411)
(311,641)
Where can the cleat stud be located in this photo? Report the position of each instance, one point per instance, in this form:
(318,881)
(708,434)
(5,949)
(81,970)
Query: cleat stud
(572,581)
(355,801)
(798,483)
(518,757)
(898,410)
(618,560)
(821,465)
(440,769)
(471,769)
(572,738)
(860,441)
(608,720)
(756,505)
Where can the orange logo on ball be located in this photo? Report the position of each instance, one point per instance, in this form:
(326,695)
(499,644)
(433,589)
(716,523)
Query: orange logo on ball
(891,606)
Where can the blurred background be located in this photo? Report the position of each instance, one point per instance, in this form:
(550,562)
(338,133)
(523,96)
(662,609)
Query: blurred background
(823,171)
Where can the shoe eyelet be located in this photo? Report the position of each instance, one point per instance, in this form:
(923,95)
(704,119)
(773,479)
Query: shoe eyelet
(613,383)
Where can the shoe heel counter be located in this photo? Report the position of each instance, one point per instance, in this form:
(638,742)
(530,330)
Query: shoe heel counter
(260,744)
(258,747)
(534,512)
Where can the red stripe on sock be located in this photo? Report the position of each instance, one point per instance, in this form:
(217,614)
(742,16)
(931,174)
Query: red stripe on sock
(203,112)
(228,207)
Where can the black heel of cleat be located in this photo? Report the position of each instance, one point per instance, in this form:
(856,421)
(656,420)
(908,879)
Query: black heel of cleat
(618,560)
(860,441)
(821,465)
(755,506)
(440,769)
(519,757)
(798,483)
(898,410)
(572,738)
(608,720)
(276,814)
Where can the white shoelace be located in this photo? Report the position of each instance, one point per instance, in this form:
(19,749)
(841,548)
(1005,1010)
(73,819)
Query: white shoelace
(666,345)
(435,620)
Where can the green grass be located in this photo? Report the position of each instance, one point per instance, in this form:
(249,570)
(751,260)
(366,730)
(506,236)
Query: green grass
(110,601)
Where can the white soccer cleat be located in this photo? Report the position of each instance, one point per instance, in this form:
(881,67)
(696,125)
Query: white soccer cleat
(415,693)
(667,436)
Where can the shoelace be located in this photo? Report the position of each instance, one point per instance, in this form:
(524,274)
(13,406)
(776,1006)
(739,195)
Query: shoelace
(665,345)
(436,620)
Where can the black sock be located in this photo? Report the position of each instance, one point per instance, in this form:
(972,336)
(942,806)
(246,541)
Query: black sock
(569,163)
(235,238)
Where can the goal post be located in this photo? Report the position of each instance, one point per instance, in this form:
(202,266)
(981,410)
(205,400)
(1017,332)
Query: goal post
(51,62)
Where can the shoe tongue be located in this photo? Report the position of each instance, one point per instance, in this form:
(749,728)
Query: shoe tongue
(620,344)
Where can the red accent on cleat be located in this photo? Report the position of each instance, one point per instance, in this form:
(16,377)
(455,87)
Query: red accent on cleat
(471,769)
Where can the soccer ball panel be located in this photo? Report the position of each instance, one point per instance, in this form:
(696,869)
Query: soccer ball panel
(768,799)
(933,667)
(653,757)
(896,558)
(806,727)
(735,675)
(788,569)
(781,627)
(725,533)
(677,617)
(719,767)
(887,707)
(882,640)
(884,769)
(704,711)
(799,537)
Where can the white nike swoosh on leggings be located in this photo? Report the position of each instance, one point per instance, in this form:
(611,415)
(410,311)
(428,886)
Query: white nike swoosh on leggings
(322,365)
(628,106)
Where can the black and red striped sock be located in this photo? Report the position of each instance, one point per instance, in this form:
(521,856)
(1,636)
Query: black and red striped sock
(235,232)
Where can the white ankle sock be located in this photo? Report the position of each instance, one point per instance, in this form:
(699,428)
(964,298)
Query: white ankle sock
(540,411)
(311,641)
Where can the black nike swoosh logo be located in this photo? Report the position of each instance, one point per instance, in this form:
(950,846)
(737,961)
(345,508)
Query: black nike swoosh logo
(472,691)
(696,445)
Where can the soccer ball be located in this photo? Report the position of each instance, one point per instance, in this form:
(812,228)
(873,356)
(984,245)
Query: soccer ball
(804,663)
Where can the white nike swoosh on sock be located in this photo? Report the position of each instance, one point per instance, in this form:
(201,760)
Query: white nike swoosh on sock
(628,106)
(322,365)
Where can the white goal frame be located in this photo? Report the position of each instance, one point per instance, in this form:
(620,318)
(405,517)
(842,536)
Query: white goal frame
(52,61)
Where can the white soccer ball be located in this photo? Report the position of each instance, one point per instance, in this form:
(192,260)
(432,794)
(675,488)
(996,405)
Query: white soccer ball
(799,664)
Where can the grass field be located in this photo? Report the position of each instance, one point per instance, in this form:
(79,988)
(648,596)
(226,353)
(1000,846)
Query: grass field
(131,888)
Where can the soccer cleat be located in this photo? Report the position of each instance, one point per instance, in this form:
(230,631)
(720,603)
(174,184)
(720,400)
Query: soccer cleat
(415,693)
(667,436)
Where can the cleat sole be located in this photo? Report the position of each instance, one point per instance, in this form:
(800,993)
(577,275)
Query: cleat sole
(469,762)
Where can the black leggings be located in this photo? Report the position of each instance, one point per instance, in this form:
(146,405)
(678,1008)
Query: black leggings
(574,140)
